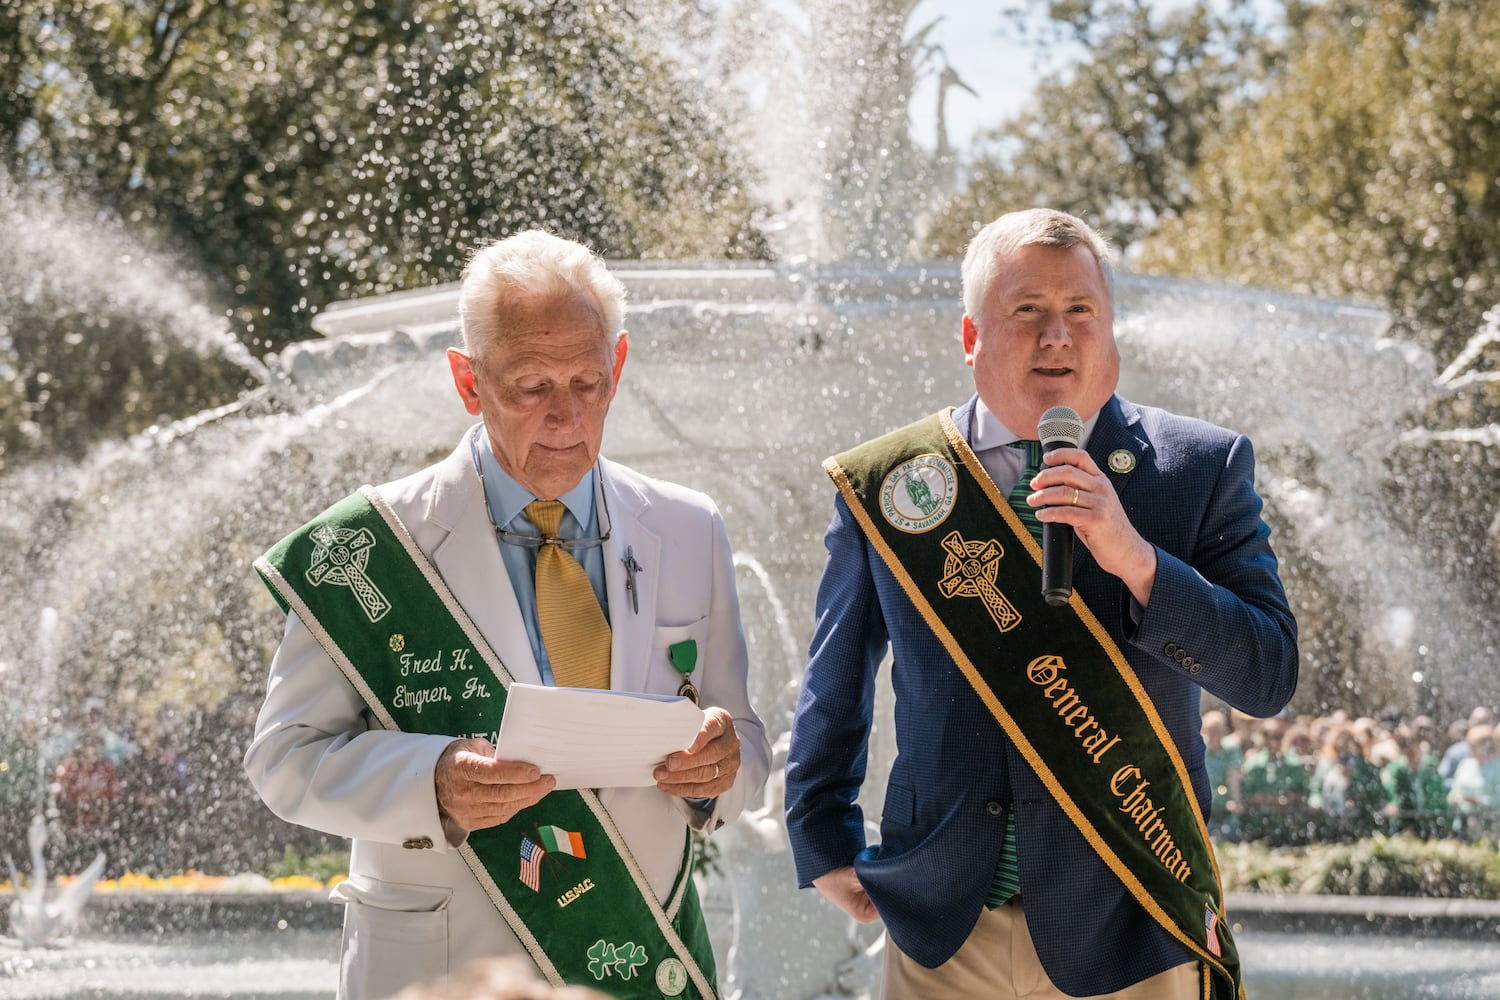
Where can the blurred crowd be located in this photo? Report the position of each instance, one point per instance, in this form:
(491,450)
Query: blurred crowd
(116,785)
(105,785)
(1303,778)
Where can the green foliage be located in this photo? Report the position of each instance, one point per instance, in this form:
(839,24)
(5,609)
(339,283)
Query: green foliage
(322,866)
(1368,171)
(303,151)
(1378,866)
(1252,867)
(1116,138)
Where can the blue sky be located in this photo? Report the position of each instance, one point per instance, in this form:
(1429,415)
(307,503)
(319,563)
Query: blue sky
(987,59)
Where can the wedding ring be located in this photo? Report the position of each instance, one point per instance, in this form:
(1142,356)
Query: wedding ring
(1075,496)
(716,771)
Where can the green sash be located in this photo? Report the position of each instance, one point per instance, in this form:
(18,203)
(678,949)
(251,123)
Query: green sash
(559,872)
(1071,704)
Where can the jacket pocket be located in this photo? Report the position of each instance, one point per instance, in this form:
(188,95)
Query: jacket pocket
(663,677)
(395,934)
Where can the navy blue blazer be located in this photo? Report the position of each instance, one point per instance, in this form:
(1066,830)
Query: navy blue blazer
(1218,605)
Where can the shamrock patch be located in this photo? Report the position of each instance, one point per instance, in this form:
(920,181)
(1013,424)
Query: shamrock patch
(620,959)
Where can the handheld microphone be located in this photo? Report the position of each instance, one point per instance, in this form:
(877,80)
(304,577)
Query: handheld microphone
(1061,427)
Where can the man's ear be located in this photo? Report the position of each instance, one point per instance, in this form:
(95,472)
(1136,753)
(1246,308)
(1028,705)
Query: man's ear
(463,379)
(971,337)
(622,346)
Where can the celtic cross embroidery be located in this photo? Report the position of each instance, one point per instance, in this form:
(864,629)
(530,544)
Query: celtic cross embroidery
(970,570)
(339,557)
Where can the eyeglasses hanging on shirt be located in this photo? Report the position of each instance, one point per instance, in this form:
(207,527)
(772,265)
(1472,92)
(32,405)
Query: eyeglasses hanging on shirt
(526,541)
(534,542)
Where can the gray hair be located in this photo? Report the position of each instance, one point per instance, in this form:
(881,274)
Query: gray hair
(1031,227)
(527,266)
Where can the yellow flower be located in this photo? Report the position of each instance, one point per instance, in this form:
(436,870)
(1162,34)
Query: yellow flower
(296,883)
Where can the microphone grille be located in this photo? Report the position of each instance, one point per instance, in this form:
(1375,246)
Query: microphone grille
(1060,425)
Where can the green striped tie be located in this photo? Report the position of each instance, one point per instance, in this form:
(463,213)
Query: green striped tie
(1007,880)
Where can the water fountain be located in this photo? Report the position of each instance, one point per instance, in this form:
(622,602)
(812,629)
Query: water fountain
(740,379)
(39,918)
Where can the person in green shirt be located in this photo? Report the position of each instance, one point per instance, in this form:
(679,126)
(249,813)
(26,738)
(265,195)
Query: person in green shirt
(1223,758)
(1416,798)
(1346,788)
(24,771)
(1275,786)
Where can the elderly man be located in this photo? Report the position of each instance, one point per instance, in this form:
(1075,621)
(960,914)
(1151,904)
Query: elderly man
(1043,826)
(523,556)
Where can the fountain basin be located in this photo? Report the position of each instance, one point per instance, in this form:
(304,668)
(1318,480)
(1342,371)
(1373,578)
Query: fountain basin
(1400,916)
(284,946)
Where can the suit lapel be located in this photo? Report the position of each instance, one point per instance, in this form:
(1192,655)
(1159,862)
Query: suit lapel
(469,561)
(1117,446)
(631,630)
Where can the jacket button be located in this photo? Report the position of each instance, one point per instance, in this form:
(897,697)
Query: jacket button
(993,808)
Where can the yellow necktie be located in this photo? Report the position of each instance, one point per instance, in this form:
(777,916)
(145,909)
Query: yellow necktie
(574,629)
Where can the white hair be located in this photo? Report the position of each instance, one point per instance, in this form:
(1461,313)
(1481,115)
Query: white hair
(527,267)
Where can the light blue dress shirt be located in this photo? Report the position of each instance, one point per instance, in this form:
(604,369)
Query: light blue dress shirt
(507,500)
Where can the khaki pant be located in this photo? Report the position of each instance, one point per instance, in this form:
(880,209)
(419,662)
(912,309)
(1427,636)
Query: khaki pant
(998,962)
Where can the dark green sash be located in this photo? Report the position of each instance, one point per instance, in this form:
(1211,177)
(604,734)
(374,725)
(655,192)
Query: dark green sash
(559,872)
(1071,704)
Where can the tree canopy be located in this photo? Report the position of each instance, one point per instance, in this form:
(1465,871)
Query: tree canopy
(1372,169)
(296,152)
(1117,134)
(1335,148)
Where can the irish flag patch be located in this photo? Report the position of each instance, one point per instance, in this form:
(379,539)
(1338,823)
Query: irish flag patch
(560,841)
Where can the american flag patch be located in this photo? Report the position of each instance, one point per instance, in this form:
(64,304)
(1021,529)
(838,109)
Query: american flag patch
(1210,928)
(531,864)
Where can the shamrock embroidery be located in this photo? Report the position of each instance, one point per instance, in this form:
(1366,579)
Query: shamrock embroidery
(622,959)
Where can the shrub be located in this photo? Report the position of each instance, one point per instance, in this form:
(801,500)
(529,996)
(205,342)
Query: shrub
(1376,866)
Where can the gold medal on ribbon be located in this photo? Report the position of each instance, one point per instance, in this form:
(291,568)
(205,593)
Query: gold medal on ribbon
(684,657)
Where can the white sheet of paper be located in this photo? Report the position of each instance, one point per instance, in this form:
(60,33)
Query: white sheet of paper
(595,739)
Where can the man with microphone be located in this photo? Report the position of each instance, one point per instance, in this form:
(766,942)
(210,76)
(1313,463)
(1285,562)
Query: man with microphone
(1043,828)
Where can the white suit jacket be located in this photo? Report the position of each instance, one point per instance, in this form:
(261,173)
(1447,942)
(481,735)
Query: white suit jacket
(413,910)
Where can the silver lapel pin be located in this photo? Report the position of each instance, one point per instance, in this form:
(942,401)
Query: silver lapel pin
(631,569)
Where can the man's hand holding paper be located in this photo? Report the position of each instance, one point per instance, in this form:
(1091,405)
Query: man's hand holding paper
(476,791)
(707,768)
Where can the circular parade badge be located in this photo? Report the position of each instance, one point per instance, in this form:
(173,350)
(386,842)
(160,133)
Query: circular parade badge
(671,977)
(918,495)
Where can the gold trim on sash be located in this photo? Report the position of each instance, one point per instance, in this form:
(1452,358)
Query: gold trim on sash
(1085,613)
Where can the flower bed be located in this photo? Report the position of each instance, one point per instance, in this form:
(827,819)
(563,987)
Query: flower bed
(192,881)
